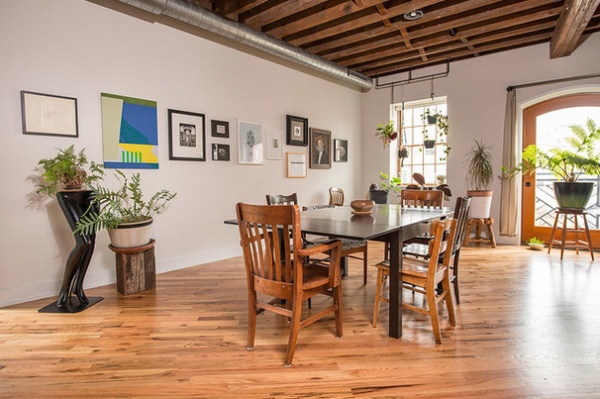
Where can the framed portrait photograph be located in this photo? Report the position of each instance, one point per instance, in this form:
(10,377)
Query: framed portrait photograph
(296,164)
(49,115)
(219,129)
(275,145)
(340,150)
(186,136)
(250,143)
(320,148)
(297,131)
(220,152)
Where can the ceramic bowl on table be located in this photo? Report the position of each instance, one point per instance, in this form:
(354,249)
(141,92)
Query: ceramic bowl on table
(362,206)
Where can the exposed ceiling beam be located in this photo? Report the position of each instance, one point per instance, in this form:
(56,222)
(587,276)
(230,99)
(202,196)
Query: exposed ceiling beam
(572,22)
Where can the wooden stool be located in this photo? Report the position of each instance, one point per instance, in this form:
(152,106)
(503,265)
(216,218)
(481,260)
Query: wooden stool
(136,271)
(576,243)
(479,222)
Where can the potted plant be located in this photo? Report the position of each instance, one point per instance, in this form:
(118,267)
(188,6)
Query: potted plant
(480,176)
(387,133)
(536,244)
(124,212)
(567,165)
(67,170)
(379,193)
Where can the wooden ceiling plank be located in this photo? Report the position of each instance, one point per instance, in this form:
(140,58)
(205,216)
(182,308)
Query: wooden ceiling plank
(231,9)
(571,24)
(529,19)
(279,11)
(405,37)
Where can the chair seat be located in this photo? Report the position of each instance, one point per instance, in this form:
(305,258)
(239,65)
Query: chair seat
(315,276)
(352,244)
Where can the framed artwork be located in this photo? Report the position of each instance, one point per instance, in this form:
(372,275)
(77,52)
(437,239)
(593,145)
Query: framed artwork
(340,150)
(219,129)
(275,145)
(49,115)
(220,152)
(186,136)
(129,132)
(320,148)
(297,131)
(296,164)
(250,143)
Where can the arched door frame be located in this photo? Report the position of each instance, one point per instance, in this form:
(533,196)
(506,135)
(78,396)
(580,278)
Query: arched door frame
(564,99)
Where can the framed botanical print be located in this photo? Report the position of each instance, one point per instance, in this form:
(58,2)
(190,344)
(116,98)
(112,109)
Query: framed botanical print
(250,143)
(296,164)
(186,136)
(320,148)
(340,150)
(297,131)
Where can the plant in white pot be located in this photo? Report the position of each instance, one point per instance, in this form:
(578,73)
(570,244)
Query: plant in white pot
(124,212)
(480,176)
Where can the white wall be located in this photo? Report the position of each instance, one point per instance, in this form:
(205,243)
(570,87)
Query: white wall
(79,49)
(476,91)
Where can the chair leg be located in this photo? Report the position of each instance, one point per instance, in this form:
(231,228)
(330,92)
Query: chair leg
(377,295)
(294,329)
(433,314)
(251,321)
(455,278)
(365,259)
(337,298)
(448,299)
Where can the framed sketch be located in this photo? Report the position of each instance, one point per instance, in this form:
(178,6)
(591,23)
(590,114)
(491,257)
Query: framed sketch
(275,145)
(297,131)
(49,115)
(186,136)
(220,152)
(219,129)
(320,148)
(340,150)
(250,143)
(296,164)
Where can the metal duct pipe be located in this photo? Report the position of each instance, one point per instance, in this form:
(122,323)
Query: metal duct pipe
(199,17)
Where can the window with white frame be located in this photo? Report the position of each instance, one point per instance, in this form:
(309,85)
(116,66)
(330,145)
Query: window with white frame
(422,146)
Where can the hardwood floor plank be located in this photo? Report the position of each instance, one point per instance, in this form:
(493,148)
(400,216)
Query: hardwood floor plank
(528,326)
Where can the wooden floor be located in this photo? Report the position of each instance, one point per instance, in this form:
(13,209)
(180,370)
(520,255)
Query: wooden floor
(528,326)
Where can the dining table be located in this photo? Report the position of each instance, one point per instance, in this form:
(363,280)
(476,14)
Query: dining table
(385,222)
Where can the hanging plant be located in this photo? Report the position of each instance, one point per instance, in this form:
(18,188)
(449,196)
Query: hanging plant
(386,133)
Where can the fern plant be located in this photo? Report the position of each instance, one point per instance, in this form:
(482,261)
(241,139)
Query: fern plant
(112,208)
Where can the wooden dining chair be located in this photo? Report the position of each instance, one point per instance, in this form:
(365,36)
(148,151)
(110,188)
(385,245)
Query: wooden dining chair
(336,196)
(278,275)
(282,199)
(422,198)
(421,249)
(350,248)
(423,276)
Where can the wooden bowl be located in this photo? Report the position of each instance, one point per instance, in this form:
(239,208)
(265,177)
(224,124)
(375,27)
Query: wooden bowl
(362,205)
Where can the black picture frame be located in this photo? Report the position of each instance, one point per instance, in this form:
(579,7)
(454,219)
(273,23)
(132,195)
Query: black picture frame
(296,131)
(221,152)
(320,140)
(49,114)
(340,150)
(219,129)
(187,137)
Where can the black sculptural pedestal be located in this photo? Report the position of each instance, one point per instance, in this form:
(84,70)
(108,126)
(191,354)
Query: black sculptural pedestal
(74,204)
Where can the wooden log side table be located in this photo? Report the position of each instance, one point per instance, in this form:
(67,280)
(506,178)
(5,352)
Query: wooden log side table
(136,270)
(487,223)
(576,243)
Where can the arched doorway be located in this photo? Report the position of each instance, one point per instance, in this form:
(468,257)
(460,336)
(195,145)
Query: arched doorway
(545,123)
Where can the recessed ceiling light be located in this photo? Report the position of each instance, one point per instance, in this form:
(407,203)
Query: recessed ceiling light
(413,15)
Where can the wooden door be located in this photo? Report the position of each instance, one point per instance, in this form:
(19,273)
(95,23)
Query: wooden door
(537,198)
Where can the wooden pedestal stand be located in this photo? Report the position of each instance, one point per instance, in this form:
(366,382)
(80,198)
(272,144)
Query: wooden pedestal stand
(136,270)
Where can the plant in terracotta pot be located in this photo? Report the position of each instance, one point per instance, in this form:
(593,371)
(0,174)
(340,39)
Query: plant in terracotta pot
(67,170)
(387,133)
(120,210)
(379,193)
(480,176)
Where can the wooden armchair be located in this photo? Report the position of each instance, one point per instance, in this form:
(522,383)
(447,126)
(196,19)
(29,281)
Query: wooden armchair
(423,276)
(276,270)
